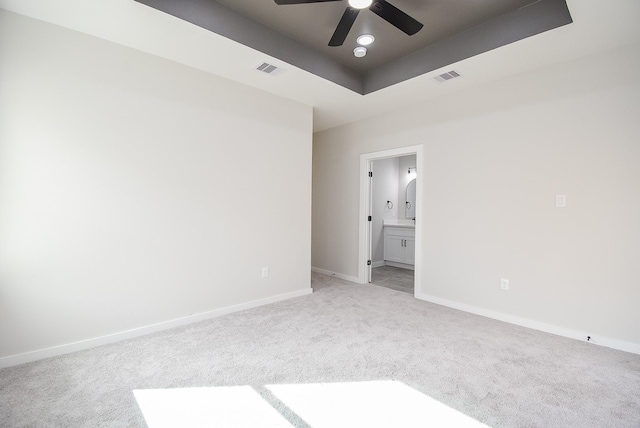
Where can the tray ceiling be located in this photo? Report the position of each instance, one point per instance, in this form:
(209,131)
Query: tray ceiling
(299,34)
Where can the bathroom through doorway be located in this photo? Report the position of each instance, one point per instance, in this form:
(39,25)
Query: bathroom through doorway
(391,203)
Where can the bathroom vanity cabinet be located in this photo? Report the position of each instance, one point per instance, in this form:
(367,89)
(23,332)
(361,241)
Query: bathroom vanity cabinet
(400,245)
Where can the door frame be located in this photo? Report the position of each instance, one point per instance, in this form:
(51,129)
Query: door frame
(366,161)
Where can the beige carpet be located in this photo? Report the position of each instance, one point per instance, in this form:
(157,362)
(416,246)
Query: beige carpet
(347,355)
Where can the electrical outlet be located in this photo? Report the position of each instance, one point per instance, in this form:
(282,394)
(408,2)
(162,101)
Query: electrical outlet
(504,284)
(265,271)
(561,201)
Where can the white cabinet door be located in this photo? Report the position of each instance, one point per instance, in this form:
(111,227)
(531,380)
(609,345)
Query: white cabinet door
(393,248)
(410,251)
(399,245)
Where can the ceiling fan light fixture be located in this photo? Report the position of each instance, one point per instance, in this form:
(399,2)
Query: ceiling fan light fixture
(360,51)
(365,39)
(360,4)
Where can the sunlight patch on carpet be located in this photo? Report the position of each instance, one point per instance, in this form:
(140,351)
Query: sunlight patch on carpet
(321,405)
(368,404)
(224,406)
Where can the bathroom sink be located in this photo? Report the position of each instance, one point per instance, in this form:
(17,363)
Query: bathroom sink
(399,222)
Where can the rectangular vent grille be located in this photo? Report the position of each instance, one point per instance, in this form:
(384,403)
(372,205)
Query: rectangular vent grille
(447,76)
(267,68)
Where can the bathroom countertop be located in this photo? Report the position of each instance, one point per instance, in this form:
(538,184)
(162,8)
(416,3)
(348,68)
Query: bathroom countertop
(408,224)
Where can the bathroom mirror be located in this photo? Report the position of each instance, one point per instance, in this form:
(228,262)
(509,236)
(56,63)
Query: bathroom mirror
(410,204)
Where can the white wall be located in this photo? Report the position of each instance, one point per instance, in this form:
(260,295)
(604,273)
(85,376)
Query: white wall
(494,159)
(134,190)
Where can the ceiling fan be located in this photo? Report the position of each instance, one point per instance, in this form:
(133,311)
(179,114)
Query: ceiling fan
(383,9)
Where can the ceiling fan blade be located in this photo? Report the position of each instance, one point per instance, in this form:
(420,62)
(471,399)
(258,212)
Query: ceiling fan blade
(281,2)
(344,26)
(395,17)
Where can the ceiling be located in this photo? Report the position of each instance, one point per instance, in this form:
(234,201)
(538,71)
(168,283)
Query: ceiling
(597,27)
(312,24)
(299,34)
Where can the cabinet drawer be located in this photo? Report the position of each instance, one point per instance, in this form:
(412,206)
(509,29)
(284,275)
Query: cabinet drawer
(400,231)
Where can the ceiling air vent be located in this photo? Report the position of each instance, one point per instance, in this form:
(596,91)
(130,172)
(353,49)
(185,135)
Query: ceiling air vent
(267,68)
(446,76)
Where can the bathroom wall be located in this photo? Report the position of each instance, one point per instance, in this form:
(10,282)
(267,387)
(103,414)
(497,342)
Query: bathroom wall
(390,181)
(404,163)
(384,188)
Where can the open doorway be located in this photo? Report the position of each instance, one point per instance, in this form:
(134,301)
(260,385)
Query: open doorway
(391,206)
(393,201)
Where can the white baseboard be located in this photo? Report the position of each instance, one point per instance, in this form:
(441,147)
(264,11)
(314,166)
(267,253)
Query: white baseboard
(400,265)
(337,275)
(378,264)
(523,322)
(14,360)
